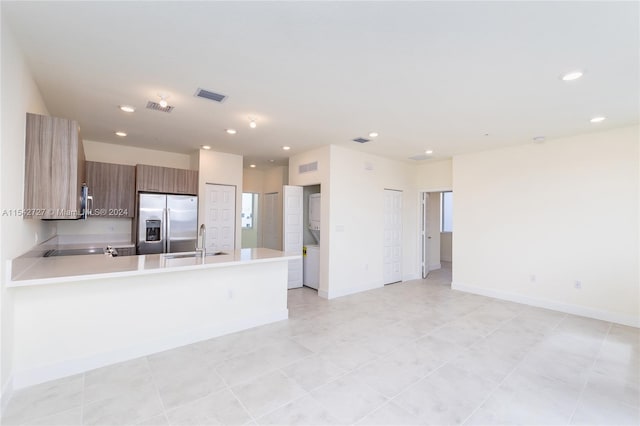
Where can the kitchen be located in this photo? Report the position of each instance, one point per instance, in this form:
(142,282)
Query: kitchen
(359,135)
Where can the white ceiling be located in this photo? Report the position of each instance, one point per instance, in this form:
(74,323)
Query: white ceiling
(425,75)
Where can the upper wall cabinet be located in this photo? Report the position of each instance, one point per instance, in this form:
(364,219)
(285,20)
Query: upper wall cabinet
(166,180)
(113,187)
(54,168)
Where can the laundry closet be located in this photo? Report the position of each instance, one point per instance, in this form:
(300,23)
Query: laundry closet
(311,236)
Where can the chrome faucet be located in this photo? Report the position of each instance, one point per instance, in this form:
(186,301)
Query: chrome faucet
(203,241)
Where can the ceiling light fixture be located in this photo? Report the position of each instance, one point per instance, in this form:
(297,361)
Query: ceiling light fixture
(205,147)
(539,139)
(599,119)
(573,75)
(127,108)
(272,161)
(121,134)
(286,148)
(163,100)
(253,166)
(373,135)
(231,131)
(252,123)
(429,152)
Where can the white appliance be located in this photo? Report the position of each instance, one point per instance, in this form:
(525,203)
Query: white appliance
(314,216)
(311,266)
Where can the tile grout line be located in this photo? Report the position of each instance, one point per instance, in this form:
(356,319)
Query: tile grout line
(155,387)
(591,367)
(515,367)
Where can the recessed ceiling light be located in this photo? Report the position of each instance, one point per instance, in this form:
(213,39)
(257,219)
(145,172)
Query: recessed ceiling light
(286,148)
(272,161)
(573,75)
(539,139)
(127,108)
(373,135)
(231,131)
(163,100)
(253,166)
(121,134)
(205,147)
(252,123)
(429,152)
(599,119)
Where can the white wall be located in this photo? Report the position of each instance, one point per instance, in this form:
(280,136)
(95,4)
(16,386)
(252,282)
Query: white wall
(434,176)
(19,96)
(434,230)
(563,211)
(352,188)
(221,169)
(131,155)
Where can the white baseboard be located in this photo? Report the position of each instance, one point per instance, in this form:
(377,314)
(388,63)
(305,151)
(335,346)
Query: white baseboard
(353,290)
(410,277)
(323,294)
(435,266)
(568,308)
(5,396)
(70,367)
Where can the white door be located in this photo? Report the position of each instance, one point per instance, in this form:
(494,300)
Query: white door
(271,222)
(424,234)
(292,231)
(392,259)
(220,220)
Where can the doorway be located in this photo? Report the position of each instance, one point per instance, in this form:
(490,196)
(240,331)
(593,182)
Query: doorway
(436,230)
(250,219)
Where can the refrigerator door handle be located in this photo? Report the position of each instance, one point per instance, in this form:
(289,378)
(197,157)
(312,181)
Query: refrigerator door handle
(168,238)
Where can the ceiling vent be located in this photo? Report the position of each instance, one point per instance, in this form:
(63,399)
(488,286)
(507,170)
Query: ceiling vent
(361,140)
(420,157)
(212,96)
(156,106)
(309,167)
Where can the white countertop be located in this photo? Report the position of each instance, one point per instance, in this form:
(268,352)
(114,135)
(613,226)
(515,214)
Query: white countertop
(64,269)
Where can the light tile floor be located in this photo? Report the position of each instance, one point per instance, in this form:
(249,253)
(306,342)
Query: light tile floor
(409,353)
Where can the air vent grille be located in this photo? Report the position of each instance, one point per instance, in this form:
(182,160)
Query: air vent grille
(212,96)
(157,107)
(361,140)
(309,167)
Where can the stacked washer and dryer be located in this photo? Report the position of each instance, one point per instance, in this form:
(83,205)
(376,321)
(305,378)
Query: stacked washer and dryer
(311,258)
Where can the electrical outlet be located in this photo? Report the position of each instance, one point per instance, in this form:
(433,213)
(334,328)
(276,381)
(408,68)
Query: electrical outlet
(532,278)
(230,294)
(577,284)
(366,266)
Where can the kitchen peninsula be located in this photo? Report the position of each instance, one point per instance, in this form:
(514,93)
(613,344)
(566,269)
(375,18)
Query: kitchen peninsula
(95,310)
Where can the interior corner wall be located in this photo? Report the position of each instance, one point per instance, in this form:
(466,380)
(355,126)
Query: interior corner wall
(356,195)
(434,176)
(221,169)
(532,220)
(20,95)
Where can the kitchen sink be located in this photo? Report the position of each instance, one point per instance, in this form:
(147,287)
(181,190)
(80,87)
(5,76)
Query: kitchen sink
(73,252)
(188,255)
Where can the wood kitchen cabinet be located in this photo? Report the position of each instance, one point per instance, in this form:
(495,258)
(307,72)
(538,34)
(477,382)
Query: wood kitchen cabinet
(166,180)
(54,168)
(113,189)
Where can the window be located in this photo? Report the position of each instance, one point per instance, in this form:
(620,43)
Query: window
(247,210)
(446,215)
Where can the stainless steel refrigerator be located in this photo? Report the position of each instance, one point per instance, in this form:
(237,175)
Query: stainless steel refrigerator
(167,223)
